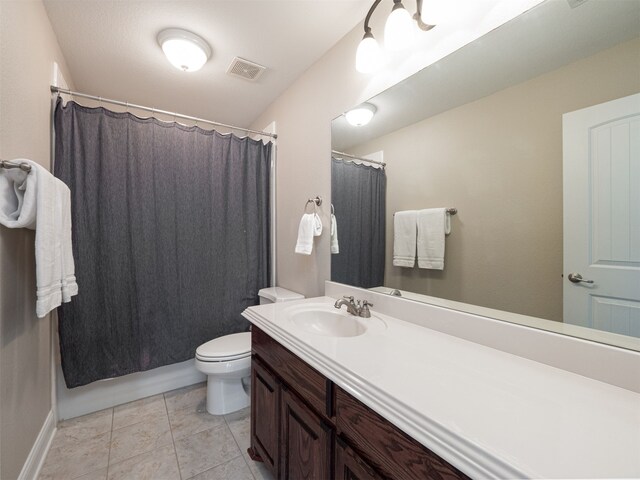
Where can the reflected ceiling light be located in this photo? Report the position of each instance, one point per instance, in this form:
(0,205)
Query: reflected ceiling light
(398,34)
(185,50)
(360,115)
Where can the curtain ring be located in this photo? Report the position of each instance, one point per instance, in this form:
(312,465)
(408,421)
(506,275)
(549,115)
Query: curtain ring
(127,107)
(100,102)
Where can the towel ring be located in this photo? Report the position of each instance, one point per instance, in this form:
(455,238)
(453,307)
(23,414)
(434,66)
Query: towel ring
(333,210)
(316,203)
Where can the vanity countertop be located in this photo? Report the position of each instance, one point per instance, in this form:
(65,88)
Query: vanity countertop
(489,413)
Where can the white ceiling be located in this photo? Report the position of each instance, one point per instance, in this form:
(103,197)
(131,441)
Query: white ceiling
(111,50)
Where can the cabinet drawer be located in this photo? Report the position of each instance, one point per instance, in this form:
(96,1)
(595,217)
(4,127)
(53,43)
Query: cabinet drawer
(385,446)
(306,381)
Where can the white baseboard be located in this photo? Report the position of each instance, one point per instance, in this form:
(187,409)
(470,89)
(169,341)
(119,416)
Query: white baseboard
(116,391)
(38,453)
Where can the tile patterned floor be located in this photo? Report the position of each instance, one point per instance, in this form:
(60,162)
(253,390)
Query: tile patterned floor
(165,437)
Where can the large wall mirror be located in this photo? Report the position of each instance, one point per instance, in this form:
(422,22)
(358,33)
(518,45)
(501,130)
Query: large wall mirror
(532,132)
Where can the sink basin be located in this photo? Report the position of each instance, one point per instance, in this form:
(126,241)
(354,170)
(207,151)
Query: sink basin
(325,320)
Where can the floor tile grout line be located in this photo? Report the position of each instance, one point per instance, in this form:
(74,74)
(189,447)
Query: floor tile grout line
(141,417)
(219,465)
(113,414)
(239,448)
(173,440)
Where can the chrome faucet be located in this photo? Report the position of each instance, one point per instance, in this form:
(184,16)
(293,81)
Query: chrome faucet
(353,307)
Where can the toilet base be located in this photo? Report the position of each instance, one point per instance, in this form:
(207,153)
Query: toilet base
(226,395)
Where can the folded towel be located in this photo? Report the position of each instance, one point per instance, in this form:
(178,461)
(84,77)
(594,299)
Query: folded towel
(433,225)
(39,201)
(334,235)
(404,238)
(310,226)
(317,225)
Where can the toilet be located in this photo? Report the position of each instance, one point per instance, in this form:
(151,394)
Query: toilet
(227,362)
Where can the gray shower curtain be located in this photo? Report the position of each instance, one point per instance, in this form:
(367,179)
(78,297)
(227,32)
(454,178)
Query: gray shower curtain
(170,238)
(358,195)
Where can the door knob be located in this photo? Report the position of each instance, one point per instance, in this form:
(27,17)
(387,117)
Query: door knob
(577,278)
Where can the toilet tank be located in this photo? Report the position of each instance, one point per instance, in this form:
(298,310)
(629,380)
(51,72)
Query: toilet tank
(278,294)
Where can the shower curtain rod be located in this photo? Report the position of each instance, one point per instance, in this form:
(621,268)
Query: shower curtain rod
(155,110)
(348,155)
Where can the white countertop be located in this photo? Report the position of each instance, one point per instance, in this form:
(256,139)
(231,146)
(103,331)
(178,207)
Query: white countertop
(489,413)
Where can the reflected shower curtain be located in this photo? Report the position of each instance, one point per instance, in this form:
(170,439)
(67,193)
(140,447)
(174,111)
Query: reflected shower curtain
(170,238)
(358,194)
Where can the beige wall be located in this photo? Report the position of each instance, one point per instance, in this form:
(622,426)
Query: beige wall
(499,161)
(302,115)
(28,49)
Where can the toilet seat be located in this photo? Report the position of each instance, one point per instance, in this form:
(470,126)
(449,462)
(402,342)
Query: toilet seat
(225,349)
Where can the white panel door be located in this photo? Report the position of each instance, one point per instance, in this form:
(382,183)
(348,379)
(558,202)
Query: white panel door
(601,167)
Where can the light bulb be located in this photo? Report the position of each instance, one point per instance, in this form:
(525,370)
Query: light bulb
(361,115)
(399,29)
(435,12)
(368,54)
(184,50)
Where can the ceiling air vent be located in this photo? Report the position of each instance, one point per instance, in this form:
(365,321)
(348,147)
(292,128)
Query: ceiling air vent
(245,69)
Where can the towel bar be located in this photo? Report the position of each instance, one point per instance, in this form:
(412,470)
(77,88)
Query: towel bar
(450,211)
(22,166)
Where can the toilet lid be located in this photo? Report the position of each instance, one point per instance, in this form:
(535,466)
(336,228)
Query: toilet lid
(229,347)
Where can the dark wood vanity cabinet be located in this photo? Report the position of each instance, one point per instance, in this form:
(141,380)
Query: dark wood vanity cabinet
(305,427)
(306,441)
(265,399)
(351,466)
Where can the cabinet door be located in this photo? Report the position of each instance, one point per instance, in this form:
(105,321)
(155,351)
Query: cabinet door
(305,442)
(265,416)
(350,466)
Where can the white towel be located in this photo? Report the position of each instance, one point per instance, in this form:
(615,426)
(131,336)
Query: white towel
(39,201)
(433,225)
(404,238)
(335,248)
(310,226)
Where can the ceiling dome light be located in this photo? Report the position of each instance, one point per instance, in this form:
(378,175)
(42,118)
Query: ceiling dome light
(398,31)
(185,50)
(368,54)
(361,115)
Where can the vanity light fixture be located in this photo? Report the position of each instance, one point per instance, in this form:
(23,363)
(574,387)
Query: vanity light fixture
(398,34)
(185,50)
(360,115)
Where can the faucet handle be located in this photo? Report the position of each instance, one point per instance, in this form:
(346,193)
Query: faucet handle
(364,310)
(348,297)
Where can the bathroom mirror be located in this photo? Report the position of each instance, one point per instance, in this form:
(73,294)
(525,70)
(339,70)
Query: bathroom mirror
(482,131)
